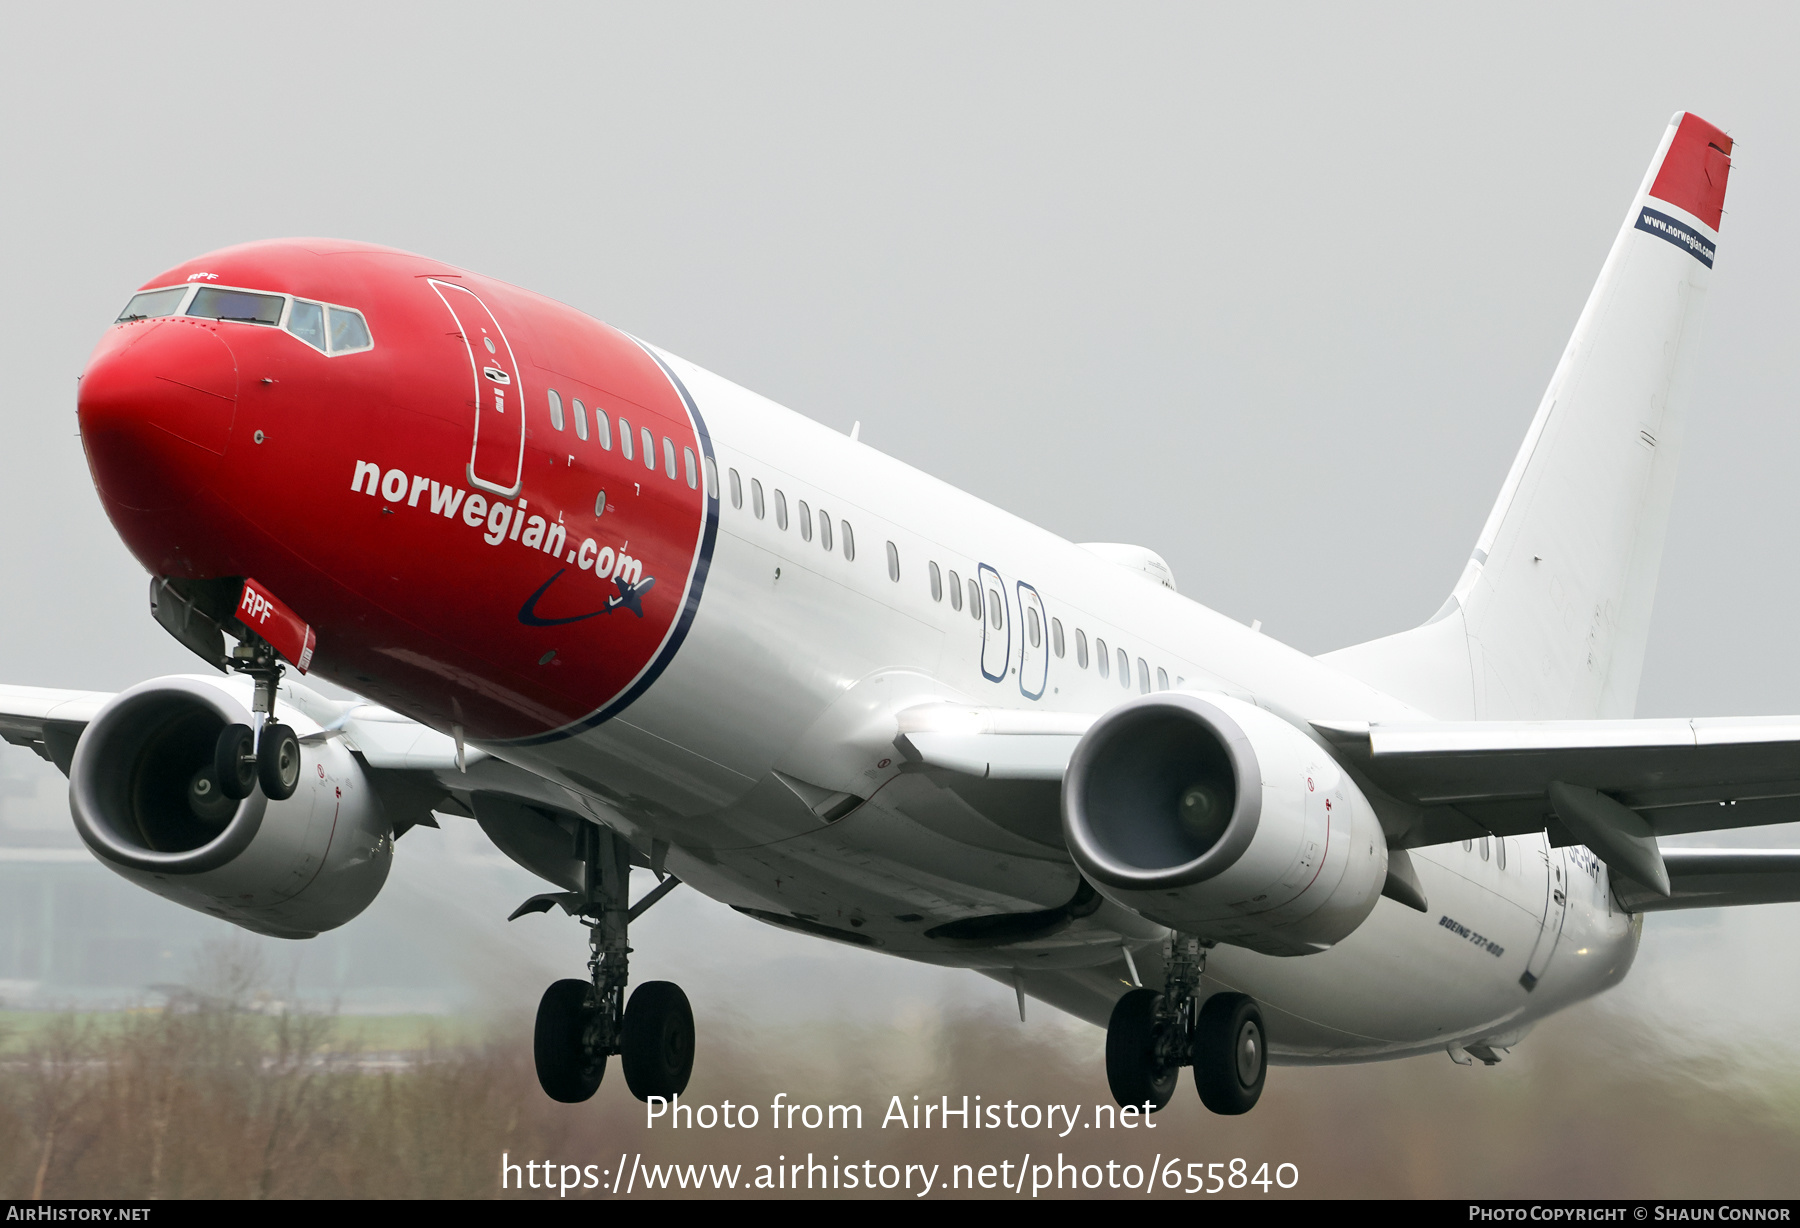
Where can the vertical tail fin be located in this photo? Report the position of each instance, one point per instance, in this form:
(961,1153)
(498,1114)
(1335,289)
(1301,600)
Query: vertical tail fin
(1552,612)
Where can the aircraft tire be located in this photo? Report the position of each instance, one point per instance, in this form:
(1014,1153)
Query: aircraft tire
(1231,1053)
(1134,1071)
(234,761)
(657,1049)
(278,762)
(565,1070)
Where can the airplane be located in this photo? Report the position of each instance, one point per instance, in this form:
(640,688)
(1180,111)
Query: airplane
(626,615)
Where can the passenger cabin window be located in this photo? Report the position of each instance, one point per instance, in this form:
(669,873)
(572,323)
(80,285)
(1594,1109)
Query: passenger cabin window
(152,303)
(687,461)
(1162,678)
(955,591)
(737,487)
(712,479)
(825,529)
(649,441)
(1124,669)
(756,500)
(580,415)
(894,563)
(625,440)
(1102,657)
(1500,852)
(307,322)
(849,536)
(239,306)
(1056,636)
(669,458)
(1143,677)
(975,611)
(996,608)
(937,580)
(603,431)
(805,522)
(348,332)
(1484,848)
(1034,631)
(556,418)
(780,511)
(1080,648)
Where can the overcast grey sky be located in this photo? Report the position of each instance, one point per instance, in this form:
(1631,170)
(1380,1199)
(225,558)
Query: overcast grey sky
(1270,289)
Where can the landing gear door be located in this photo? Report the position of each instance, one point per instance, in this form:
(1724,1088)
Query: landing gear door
(497,456)
(1556,907)
(1034,655)
(996,625)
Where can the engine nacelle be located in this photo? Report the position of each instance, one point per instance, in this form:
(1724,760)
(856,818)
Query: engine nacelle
(288,869)
(1214,817)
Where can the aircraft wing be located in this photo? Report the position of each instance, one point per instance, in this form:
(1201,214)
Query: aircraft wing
(1457,780)
(46,720)
(1615,786)
(1715,878)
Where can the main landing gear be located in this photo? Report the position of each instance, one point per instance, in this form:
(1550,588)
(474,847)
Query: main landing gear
(582,1023)
(1152,1035)
(243,757)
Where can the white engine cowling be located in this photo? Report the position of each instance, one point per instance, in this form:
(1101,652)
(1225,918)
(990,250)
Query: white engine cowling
(288,869)
(1214,817)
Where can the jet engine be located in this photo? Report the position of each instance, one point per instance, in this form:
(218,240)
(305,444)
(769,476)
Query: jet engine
(147,803)
(1217,818)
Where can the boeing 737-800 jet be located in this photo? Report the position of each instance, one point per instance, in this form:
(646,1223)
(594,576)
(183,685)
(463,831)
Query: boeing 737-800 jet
(624,614)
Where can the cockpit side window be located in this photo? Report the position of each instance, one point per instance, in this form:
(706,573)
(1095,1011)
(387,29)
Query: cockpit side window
(153,303)
(241,306)
(307,322)
(348,331)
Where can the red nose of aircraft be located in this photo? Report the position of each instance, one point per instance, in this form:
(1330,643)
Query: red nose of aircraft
(156,407)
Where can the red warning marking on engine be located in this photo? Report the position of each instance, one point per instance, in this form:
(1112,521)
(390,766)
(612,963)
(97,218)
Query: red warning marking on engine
(287,633)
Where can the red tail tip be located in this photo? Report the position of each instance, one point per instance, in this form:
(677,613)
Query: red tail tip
(1693,172)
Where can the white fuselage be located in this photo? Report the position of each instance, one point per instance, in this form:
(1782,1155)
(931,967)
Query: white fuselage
(782,698)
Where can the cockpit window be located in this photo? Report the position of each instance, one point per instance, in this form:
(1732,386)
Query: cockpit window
(307,322)
(348,332)
(152,303)
(243,306)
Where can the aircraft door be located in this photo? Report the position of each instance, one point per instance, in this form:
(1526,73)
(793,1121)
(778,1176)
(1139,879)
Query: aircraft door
(497,455)
(1556,908)
(1034,647)
(996,625)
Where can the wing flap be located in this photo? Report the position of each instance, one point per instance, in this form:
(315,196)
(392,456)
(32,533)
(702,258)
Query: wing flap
(1717,878)
(1466,778)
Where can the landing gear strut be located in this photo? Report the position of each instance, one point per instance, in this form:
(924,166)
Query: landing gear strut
(582,1023)
(1152,1035)
(244,758)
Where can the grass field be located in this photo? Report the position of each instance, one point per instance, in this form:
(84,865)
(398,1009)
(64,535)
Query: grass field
(221,1101)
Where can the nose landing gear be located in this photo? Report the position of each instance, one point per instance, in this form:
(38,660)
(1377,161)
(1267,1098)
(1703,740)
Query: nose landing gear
(242,759)
(582,1023)
(1152,1035)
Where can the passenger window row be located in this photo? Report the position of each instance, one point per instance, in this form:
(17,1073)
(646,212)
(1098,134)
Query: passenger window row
(993,606)
(603,434)
(829,538)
